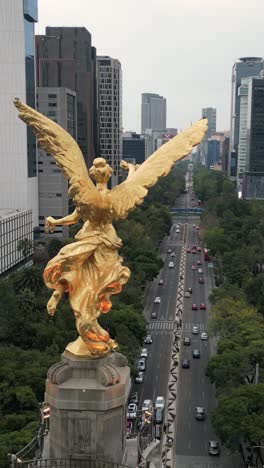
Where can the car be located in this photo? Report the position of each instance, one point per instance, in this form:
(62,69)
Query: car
(171,265)
(141,364)
(132,411)
(187,294)
(157,300)
(194,307)
(134,398)
(201,280)
(200,270)
(154,315)
(189,290)
(193,267)
(177,231)
(199,263)
(169,250)
(202,306)
(199,413)
(139,377)
(188,250)
(204,336)
(159,416)
(147,405)
(160,402)
(197,227)
(199,249)
(196,353)
(161,282)
(144,353)
(148,339)
(193,251)
(173,254)
(178,226)
(186,363)
(195,330)
(194,225)
(187,341)
(213,447)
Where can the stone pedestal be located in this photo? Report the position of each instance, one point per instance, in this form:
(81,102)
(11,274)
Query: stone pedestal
(87,399)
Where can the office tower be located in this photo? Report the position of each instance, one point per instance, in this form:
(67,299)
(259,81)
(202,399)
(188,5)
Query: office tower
(153,112)
(58,104)
(133,147)
(66,58)
(243,68)
(213,152)
(210,114)
(18,175)
(109,80)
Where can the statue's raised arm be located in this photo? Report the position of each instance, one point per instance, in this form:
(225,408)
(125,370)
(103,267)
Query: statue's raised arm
(90,269)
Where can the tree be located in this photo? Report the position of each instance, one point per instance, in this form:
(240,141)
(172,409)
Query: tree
(28,278)
(53,246)
(25,246)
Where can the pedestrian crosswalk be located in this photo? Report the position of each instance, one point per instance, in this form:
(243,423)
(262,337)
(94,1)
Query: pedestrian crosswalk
(169,325)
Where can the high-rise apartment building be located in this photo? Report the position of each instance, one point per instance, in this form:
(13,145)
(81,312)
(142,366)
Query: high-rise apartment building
(66,58)
(18,175)
(243,68)
(153,112)
(59,105)
(109,79)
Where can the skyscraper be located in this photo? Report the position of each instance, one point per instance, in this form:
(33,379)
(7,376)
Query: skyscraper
(153,112)
(243,67)
(18,175)
(58,104)
(66,58)
(109,79)
(210,114)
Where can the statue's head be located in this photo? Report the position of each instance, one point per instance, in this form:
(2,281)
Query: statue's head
(100,171)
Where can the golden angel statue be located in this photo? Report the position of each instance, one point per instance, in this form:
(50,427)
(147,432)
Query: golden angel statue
(90,269)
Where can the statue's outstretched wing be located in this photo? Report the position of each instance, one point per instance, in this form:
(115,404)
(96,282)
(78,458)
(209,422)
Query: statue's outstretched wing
(58,142)
(132,191)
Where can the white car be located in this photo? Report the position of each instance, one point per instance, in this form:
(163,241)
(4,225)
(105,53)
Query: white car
(160,402)
(187,294)
(195,330)
(157,300)
(147,405)
(173,254)
(204,336)
(139,377)
(200,270)
(177,231)
(148,339)
(132,411)
(171,265)
(144,353)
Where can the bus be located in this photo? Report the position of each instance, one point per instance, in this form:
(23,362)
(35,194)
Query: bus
(207,257)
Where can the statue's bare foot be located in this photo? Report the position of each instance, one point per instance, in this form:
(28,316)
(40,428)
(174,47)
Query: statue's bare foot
(53,302)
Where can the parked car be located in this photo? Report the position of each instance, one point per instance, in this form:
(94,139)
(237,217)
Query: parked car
(204,336)
(144,353)
(195,330)
(187,341)
(199,413)
(132,411)
(161,282)
(148,339)
(160,402)
(147,405)
(157,300)
(200,270)
(139,377)
(186,363)
(202,306)
(193,267)
(194,307)
(213,447)
(201,280)
(159,416)
(171,265)
(141,364)
(196,354)
(134,398)
(187,294)
(154,315)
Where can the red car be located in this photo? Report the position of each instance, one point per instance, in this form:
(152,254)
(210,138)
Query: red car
(202,306)
(193,267)
(199,249)
(194,307)
(188,250)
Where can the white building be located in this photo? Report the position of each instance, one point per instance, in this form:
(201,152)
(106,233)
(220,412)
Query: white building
(153,112)
(58,104)
(109,79)
(18,175)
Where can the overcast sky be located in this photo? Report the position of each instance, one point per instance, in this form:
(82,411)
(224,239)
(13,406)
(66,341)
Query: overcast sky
(181,49)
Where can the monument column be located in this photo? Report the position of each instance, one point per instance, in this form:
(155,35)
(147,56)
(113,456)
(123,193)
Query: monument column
(88,399)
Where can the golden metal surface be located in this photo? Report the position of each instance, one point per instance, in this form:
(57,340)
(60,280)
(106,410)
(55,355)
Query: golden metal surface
(90,269)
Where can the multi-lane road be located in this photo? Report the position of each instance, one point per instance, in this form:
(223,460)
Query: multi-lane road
(194,388)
